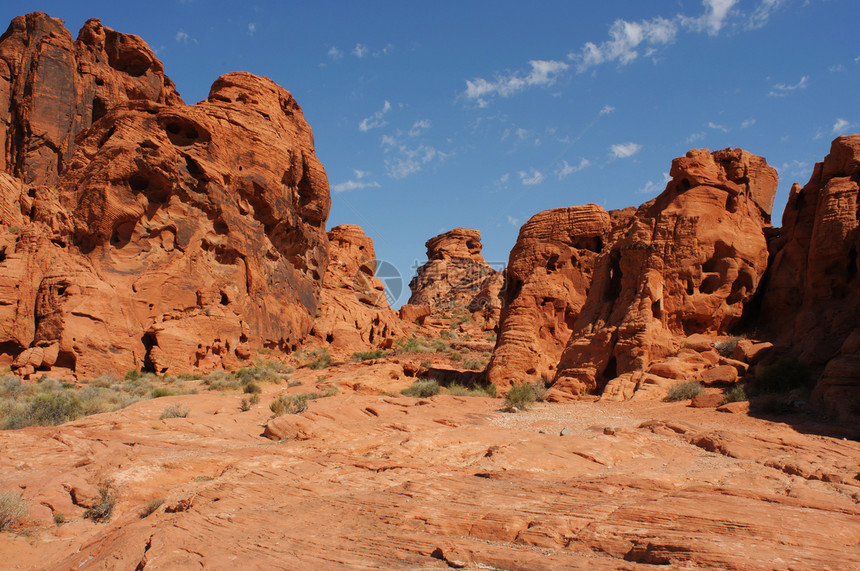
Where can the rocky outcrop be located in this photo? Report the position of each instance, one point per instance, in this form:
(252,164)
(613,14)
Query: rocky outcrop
(811,303)
(548,277)
(688,262)
(53,88)
(457,276)
(354,313)
(162,237)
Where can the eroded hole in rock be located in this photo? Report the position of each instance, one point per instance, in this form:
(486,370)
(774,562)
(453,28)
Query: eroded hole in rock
(657,309)
(224,299)
(552,263)
(590,243)
(149,342)
(329,338)
(741,288)
(121,235)
(99,109)
(710,284)
(100,81)
(732,203)
(610,371)
(613,290)
(193,168)
(221,227)
(685,184)
(183,131)
(2,254)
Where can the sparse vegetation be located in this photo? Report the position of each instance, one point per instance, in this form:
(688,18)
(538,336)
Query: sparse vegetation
(455,356)
(476,391)
(251,388)
(684,390)
(727,346)
(297,403)
(59,518)
(320,358)
(735,394)
(422,388)
(177,410)
(159,392)
(150,507)
(368,355)
(781,377)
(520,396)
(540,389)
(102,511)
(473,364)
(13,510)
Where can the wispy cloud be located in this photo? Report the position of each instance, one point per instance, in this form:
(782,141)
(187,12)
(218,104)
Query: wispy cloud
(717,127)
(747,123)
(607,110)
(567,170)
(543,73)
(513,221)
(841,126)
(838,68)
(625,41)
(762,13)
(403,160)
(652,187)
(335,53)
(182,36)
(356,183)
(360,50)
(419,127)
(783,89)
(625,150)
(714,18)
(376,120)
(252,28)
(696,137)
(532,177)
(795,169)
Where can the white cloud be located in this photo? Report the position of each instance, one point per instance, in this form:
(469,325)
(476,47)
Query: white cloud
(252,28)
(714,18)
(607,110)
(531,178)
(513,221)
(403,160)
(625,150)
(625,41)
(841,126)
(795,169)
(375,120)
(418,127)
(747,123)
(717,127)
(567,169)
(652,187)
(783,89)
(357,183)
(335,53)
(181,36)
(360,50)
(543,73)
(838,68)
(696,137)
(763,13)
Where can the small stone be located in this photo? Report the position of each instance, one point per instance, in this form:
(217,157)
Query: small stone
(564,431)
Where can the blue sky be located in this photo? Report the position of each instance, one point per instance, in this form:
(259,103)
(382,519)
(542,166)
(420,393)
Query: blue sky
(430,116)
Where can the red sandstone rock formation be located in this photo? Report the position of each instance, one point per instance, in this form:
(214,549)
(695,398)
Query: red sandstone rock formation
(456,275)
(162,236)
(812,300)
(548,277)
(354,313)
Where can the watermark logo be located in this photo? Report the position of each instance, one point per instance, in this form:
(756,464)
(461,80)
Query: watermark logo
(385,272)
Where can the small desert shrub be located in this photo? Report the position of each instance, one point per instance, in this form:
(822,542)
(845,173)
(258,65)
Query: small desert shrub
(726,347)
(290,404)
(132,375)
(13,510)
(59,518)
(292,384)
(251,388)
(491,337)
(320,358)
(245,405)
(221,381)
(455,356)
(781,377)
(476,391)
(368,355)
(177,410)
(262,371)
(150,507)
(422,388)
(53,408)
(684,390)
(521,396)
(473,364)
(438,346)
(539,388)
(162,392)
(445,334)
(102,511)
(735,394)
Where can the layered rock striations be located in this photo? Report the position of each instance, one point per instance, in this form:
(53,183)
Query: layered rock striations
(162,236)
(354,313)
(457,276)
(811,303)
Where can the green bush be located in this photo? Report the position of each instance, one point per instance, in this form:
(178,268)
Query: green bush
(251,388)
(321,358)
(540,390)
(422,388)
(726,347)
(455,356)
(735,394)
(102,511)
(162,392)
(368,355)
(290,404)
(51,409)
(13,510)
(781,377)
(473,364)
(684,390)
(521,396)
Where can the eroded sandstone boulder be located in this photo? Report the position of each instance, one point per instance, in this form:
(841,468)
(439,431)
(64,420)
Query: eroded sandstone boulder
(686,263)
(354,313)
(162,236)
(457,276)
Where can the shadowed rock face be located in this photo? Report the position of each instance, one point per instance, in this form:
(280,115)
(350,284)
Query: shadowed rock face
(171,237)
(812,299)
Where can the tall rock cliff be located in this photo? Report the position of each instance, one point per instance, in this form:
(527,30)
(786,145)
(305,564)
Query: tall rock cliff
(143,233)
